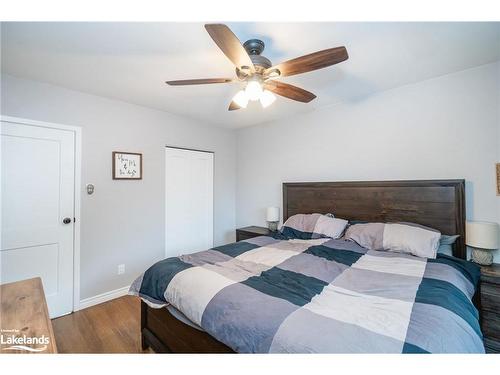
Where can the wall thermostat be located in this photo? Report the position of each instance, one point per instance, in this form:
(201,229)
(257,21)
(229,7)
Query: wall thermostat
(90,189)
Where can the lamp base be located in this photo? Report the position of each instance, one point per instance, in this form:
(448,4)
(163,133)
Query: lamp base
(482,257)
(272,225)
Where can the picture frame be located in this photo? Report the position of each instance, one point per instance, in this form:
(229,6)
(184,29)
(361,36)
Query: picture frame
(127,165)
(498,178)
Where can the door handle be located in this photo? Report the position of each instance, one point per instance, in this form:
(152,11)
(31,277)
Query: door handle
(66,220)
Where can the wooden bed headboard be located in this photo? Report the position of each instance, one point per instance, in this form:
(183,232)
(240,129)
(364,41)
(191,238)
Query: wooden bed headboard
(438,204)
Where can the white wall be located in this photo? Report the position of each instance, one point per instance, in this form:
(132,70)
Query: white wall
(447,127)
(123,222)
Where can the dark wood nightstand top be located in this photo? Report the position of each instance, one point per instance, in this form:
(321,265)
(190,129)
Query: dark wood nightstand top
(250,232)
(261,231)
(491,274)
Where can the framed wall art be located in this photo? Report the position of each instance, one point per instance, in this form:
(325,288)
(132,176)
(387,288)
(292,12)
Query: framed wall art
(498,178)
(127,165)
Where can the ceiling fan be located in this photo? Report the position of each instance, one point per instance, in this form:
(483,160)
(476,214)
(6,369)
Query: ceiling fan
(259,73)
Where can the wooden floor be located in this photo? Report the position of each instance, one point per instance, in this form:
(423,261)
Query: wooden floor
(111,327)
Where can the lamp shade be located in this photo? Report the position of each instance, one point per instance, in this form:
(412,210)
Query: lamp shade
(273,214)
(481,234)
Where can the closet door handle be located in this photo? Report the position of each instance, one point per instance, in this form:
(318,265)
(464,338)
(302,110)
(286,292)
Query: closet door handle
(66,220)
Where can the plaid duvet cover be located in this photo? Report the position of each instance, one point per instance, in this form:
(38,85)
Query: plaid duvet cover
(278,295)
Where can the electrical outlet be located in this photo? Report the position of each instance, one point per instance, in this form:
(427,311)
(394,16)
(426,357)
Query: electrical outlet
(121,269)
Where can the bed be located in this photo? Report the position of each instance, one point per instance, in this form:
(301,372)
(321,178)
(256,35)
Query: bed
(274,294)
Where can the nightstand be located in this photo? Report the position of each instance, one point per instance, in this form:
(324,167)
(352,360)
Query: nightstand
(250,232)
(490,307)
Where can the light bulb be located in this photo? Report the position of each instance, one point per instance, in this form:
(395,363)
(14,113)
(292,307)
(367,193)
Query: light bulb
(253,90)
(241,99)
(267,98)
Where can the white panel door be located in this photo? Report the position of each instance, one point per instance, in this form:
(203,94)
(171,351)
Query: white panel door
(38,174)
(189,201)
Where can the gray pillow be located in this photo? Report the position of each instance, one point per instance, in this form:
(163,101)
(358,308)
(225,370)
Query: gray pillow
(445,244)
(406,238)
(309,226)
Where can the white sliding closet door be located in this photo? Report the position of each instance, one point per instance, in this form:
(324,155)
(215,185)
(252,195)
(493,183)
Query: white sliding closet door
(189,201)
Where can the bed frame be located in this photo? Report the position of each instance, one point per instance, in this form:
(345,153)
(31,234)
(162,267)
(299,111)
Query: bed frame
(438,204)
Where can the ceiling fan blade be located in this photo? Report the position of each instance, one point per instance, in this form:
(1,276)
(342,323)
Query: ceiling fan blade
(289,91)
(199,81)
(233,106)
(230,45)
(313,61)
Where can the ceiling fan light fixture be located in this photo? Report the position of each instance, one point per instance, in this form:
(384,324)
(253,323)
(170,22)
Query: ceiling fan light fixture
(257,71)
(241,98)
(253,90)
(267,98)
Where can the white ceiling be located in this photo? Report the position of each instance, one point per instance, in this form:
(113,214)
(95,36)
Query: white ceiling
(131,61)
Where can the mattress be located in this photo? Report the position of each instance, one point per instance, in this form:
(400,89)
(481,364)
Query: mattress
(287,295)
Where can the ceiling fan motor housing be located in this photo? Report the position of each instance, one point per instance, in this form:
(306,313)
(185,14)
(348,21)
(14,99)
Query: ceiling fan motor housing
(254,48)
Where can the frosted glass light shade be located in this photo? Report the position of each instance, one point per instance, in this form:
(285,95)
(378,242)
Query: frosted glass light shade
(241,99)
(481,235)
(267,98)
(273,214)
(253,90)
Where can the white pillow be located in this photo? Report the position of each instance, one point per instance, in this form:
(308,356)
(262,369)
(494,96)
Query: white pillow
(411,239)
(330,226)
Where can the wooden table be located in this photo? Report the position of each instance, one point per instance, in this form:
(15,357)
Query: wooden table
(24,318)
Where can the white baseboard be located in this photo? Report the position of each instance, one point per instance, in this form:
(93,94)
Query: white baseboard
(100,298)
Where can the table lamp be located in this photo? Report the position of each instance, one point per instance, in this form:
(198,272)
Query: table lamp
(482,236)
(273,218)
